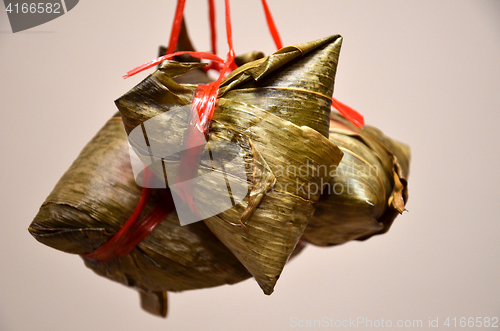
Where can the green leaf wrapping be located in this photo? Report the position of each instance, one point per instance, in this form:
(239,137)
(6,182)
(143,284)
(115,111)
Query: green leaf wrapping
(368,190)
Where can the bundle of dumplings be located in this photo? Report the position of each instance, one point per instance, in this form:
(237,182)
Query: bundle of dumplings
(304,176)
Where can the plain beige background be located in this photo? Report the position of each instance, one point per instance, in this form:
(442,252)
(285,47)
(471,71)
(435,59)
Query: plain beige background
(425,72)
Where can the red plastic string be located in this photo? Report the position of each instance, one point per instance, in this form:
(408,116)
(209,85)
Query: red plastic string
(350,114)
(272,26)
(176,26)
(206,95)
(152,63)
(202,107)
(213,31)
(133,231)
(213,36)
(131,234)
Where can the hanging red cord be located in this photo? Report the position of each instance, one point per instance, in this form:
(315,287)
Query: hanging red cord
(213,31)
(272,26)
(206,95)
(350,114)
(213,36)
(176,26)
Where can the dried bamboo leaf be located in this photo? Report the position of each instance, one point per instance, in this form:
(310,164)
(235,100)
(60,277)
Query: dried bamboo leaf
(368,190)
(242,59)
(277,224)
(290,80)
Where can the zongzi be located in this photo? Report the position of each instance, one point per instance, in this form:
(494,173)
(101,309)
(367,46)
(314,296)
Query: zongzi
(273,110)
(367,190)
